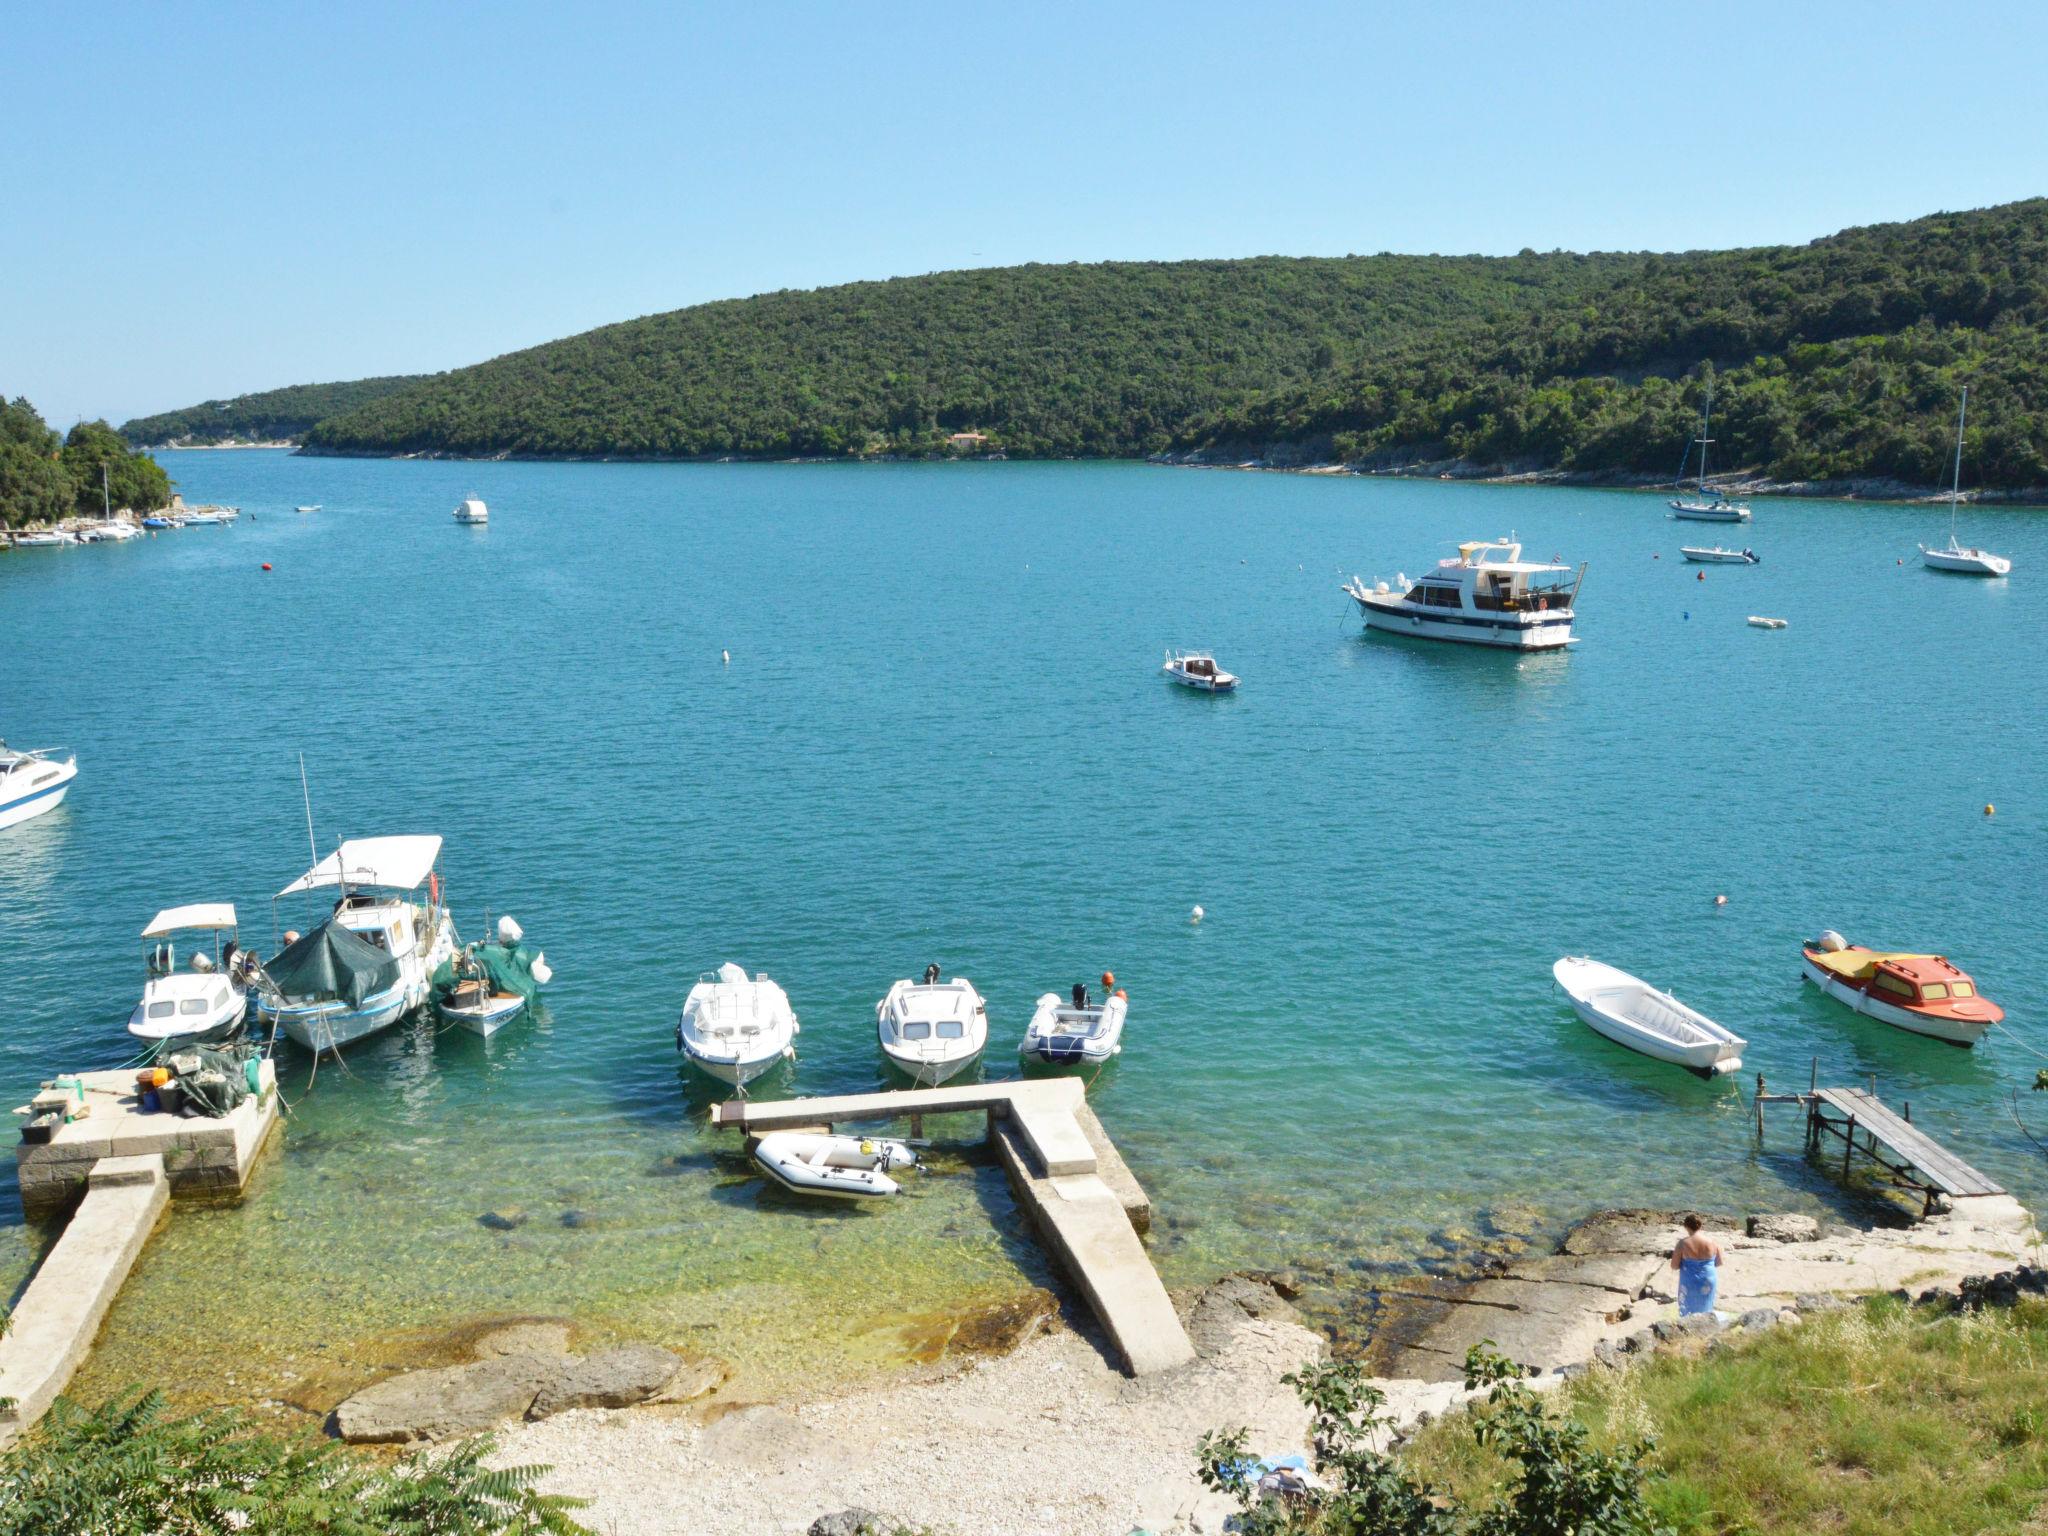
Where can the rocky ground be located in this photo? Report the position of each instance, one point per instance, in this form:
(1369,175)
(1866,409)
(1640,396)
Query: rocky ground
(1050,1439)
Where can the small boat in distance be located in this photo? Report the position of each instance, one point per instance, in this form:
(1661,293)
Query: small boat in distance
(1927,994)
(837,1167)
(1488,595)
(44,538)
(1955,557)
(932,1029)
(32,782)
(1720,556)
(204,1003)
(1198,670)
(1759,621)
(315,507)
(735,1029)
(1708,506)
(1069,1032)
(1633,1013)
(472,510)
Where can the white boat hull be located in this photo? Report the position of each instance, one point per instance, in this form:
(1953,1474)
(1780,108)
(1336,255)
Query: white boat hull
(485,1018)
(1965,562)
(737,1072)
(1061,1036)
(929,1071)
(330,1026)
(1961,1032)
(1694,512)
(1632,1013)
(218,1025)
(1544,631)
(39,799)
(833,1167)
(1718,557)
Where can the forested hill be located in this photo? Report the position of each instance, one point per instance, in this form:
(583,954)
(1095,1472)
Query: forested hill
(1106,359)
(1836,360)
(275,415)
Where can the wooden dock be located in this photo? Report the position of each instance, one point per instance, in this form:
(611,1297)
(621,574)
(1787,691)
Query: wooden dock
(1084,1202)
(1904,1154)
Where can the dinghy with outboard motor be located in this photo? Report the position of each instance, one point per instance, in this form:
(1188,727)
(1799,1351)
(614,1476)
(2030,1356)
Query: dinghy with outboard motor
(1633,1013)
(485,986)
(837,1167)
(1076,1031)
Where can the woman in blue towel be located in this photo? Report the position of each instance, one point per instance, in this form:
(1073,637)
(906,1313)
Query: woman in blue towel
(1698,1262)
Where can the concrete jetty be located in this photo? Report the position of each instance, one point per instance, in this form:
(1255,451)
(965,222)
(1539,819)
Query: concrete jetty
(60,1313)
(1084,1202)
(200,1157)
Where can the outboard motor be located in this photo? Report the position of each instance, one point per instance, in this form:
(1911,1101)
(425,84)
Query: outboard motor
(1080,994)
(931,975)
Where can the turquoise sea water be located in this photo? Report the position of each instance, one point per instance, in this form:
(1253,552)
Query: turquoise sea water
(942,736)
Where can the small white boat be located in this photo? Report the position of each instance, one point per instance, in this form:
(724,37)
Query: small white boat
(490,984)
(32,783)
(1719,556)
(932,1029)
(206,1001)
(838,1167)
(472,510)
(1759,621)
(313,508)
(1635,1014)
(1198,669)
(44,538)
(1955,556)
(735,1029)
(1075,1031)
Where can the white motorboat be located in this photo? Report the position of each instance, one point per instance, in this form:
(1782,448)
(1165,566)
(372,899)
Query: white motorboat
(472,510)
(1762,621)
(1707,506)
(1720,556)
(43,538)
(1955,556)
(32,782)
(1198,670)
(205,1002)
(735,1029)
(315,507)
(837,1167)
(372,961)
(1075,1030)
(1635,1014)
(932,1029)
(1488,595)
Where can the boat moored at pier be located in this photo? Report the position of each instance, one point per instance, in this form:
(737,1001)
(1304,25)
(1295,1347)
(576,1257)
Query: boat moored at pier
(372,960)
(1487,595)
(735,1028)
(932,1029)
(1926,994)
(205,1002)
(1075,1030)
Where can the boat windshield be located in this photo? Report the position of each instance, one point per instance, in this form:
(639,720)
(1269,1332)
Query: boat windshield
(917,1030)
(951,1029)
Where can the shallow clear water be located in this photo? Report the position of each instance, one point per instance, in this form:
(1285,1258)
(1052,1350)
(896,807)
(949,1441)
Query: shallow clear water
(943,736)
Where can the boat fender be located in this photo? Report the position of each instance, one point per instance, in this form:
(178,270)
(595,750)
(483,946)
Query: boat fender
(1831,941)
(1120,992)
(867,1149)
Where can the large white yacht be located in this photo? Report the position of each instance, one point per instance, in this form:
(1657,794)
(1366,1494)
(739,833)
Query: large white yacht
(733,1028)
(203,1002)
(932,1029)
(32,783)
(1488,595)
(372,960)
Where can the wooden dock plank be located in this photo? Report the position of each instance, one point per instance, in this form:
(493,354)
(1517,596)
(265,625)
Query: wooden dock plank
(1907,1142)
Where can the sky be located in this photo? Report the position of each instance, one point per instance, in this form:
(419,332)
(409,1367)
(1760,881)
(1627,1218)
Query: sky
(200,200)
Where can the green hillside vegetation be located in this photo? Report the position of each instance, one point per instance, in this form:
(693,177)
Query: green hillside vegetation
(44,478)
(1835,360)
(1102,360)
(275,415)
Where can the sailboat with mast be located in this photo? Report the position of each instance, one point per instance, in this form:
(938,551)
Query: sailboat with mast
(1708,506)
(1967,562)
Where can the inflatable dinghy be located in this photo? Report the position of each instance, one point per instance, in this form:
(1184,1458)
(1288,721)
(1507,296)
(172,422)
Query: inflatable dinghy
(839,1167)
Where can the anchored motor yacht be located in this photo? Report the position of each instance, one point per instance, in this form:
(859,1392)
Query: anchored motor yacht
(1198,670)
(32,782)
(1488,595)
(734,1029)
(205,1001)
(472,510)
(932,1029)
(372,960)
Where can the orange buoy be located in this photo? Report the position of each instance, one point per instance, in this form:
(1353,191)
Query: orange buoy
(1109,978)
(1700,576)
(266,565)
(1990,810)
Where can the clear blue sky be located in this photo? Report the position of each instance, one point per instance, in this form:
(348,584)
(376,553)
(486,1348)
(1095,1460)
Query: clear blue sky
(205,199)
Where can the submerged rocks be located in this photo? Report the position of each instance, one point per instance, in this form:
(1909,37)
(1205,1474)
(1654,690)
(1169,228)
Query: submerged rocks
(506,1219)
(449,1401)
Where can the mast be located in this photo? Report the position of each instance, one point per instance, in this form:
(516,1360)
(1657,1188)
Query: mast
(1955,486)
(1706,413)
(106,501)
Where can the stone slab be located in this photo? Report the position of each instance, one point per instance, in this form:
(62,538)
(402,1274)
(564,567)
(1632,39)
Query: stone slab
(199,1156)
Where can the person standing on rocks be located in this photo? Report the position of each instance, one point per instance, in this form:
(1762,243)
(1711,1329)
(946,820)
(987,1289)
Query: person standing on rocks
(1697,1258)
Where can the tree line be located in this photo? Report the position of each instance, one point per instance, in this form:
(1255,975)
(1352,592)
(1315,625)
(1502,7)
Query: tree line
(271,416)
(44,477)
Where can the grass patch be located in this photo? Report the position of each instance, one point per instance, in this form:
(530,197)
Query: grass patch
(1881,1419)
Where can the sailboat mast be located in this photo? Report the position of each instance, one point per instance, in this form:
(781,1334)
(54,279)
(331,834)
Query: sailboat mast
(1955,486)
(1706,415)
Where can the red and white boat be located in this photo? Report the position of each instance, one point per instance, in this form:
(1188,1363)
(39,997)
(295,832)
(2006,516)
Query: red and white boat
(1927,994)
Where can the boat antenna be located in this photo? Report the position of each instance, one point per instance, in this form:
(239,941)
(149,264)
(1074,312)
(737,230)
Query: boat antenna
(306,795)
(1955,486)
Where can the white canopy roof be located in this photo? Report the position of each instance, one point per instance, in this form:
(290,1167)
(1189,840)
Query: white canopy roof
(204,914)
(398,863)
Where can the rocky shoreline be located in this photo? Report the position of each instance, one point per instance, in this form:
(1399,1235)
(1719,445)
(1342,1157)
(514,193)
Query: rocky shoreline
(977,1448)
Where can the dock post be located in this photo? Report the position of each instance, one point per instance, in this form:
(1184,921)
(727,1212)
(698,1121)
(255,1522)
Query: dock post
(917,1127)
(1759,1108)
(1813,1081)
(1908,1107)
(1848,1145)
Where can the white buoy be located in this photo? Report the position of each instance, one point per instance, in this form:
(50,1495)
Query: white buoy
(726,657)
(1196,915)
(541,971)
(509,931)
(1720,901)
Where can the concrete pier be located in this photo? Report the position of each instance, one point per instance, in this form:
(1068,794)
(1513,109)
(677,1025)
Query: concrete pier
(1082,1199)
(60,1313)
(200,1156)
